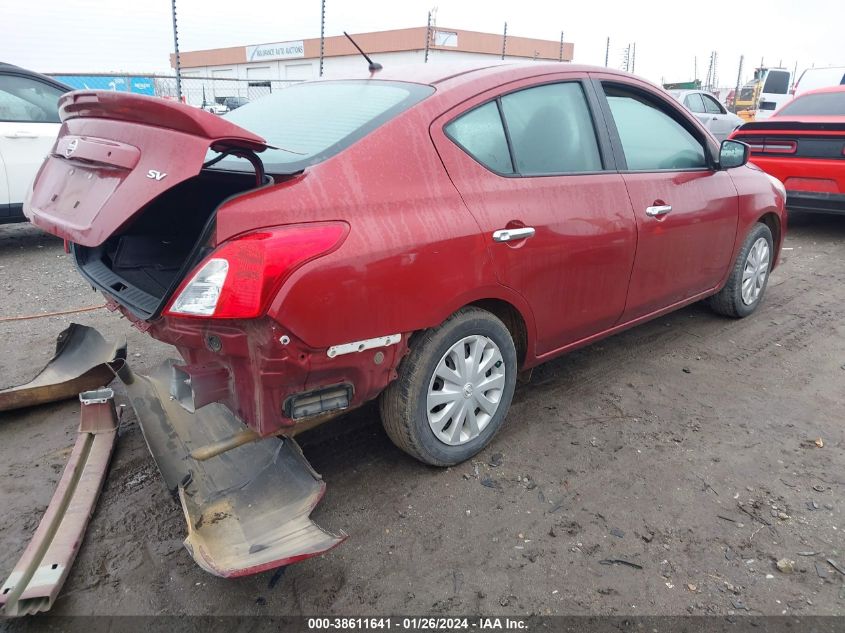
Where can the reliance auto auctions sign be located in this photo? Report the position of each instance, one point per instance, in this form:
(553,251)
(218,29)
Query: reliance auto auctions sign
(279,50)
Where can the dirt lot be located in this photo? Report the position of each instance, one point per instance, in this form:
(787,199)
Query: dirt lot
(640,448)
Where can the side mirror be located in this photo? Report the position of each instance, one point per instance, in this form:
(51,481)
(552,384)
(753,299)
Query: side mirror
(733,154)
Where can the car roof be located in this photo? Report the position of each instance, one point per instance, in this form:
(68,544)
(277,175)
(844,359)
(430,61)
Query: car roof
(11,69)
(840,88)
(437,74)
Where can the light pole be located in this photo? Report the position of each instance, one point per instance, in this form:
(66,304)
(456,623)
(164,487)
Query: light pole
(176,47)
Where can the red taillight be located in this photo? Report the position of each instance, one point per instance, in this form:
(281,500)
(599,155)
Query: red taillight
(239,278)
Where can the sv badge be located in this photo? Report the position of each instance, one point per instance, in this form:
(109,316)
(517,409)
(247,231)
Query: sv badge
(156,175)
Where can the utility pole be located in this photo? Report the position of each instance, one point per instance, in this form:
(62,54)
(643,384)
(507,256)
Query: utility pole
(561,47)
(606,52)
(695,68)
(714,79)
(176,48)
(427,38)
(738,81)
(505,40)
(322,33)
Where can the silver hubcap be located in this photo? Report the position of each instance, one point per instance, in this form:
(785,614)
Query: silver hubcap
(465,390)
(755,272)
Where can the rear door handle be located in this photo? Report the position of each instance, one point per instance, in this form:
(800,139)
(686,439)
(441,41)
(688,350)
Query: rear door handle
(507,235)
(20,134)
(659,210)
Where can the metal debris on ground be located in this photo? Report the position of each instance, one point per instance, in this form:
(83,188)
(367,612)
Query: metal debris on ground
(619,561)
(83,361)
(42,569)
(836,566)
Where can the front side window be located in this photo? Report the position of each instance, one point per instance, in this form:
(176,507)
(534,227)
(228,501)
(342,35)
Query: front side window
(25,100)
(651,139)
(694,103)
(551,130)
(711,105)
(481,134)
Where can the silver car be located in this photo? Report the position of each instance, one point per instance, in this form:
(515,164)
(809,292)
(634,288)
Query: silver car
(709,111)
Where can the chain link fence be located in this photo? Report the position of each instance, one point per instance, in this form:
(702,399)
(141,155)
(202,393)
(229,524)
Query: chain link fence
(211,93)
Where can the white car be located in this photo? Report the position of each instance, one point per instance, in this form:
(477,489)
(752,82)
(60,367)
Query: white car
(29,124)
(709,111)
(814,78)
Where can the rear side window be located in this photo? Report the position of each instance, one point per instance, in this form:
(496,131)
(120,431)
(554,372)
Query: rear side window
(481,134)
(694,103)
(551,130)
(711,105)
(820,104)
(651,139)
(25,100)
(777,82)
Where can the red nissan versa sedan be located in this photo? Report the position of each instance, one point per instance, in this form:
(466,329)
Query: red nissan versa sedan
(419,236)
(803,145)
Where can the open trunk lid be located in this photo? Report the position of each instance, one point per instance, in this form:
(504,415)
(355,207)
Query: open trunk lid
(115,153)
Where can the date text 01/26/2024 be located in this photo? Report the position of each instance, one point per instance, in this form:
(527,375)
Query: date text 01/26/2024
(417,624)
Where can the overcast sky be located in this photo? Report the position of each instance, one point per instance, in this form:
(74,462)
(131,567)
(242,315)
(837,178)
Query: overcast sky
(115,35)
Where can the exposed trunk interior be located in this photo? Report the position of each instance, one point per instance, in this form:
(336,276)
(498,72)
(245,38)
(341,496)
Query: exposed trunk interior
(141,265)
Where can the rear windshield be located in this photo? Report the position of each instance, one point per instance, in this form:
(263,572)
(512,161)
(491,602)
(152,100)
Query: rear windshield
(311,121)
(822,104)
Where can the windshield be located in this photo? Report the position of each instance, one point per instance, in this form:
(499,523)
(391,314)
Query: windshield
(311,121)
(821,104)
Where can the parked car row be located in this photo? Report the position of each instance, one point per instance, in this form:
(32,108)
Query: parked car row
(709,111)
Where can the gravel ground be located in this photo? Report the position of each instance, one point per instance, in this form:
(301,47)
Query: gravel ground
(686,446)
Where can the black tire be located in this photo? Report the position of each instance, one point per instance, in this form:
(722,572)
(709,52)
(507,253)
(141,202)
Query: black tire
(728,301)
(403,403)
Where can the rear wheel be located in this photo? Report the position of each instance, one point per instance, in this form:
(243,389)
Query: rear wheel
(746,286)
(454,389)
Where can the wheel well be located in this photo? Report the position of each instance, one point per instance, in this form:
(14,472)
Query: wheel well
(512,319)
(773,222)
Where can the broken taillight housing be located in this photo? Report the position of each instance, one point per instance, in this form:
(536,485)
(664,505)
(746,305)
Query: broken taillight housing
(240,277)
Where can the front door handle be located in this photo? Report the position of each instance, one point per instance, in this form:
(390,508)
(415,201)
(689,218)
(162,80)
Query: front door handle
(657,211)
(507,235)
(20,134)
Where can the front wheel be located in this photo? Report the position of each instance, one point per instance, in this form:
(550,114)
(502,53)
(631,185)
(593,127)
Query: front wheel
(747,283)
(454,389)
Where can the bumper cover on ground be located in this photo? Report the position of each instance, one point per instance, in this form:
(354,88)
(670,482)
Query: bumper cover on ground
(82,361)
(247,509)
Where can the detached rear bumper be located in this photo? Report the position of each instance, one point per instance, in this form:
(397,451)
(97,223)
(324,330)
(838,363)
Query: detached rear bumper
(248,508)
(815,202)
